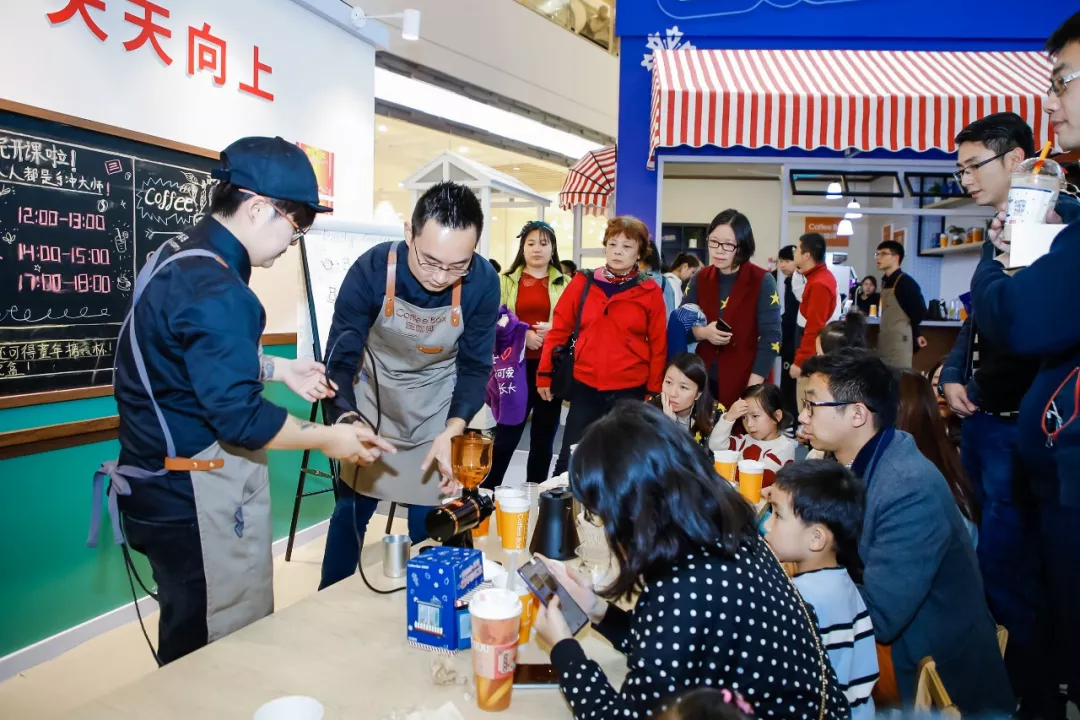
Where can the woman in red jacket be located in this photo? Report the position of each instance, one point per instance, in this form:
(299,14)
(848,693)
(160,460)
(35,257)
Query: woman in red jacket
(744,297)
(622,345)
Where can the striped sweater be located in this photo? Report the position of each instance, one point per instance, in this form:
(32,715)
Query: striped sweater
(847,634)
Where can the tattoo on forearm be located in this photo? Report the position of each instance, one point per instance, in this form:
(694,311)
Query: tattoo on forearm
(266,367)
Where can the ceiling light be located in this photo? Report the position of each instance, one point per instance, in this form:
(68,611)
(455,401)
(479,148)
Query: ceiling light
(410,21)
(464,150)
(438,102)
(401,184)
(410,25)
(853,206)
(383,128)
(494,217)
(517,169)
(844,229)
(834,191)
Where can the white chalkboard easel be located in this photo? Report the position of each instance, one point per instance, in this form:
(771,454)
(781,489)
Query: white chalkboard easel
(326,253)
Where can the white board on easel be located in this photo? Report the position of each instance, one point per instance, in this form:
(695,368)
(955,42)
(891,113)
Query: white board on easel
(328,251)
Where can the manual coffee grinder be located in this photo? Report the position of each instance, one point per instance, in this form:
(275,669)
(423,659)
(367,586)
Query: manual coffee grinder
(452,522)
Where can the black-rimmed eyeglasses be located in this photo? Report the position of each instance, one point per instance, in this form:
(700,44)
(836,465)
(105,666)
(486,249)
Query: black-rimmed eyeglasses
(959,174)
(809,405)
(433,268)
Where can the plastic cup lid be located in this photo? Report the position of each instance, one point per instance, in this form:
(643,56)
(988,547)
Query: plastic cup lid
(751,466)
(494,604)
(503,491)
(726,455)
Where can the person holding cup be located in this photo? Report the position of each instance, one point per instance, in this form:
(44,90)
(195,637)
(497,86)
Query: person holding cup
(678,536)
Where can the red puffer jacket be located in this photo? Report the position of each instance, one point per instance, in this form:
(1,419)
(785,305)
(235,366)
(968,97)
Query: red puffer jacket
(623,338)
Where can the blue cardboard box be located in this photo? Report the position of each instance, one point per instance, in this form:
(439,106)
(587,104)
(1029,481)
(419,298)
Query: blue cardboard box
(438,585)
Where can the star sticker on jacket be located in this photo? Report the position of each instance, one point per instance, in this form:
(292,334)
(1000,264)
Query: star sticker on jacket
(723,304)
(775,347)
(775,299)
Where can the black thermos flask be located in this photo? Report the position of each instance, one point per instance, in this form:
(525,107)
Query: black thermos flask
(556,533)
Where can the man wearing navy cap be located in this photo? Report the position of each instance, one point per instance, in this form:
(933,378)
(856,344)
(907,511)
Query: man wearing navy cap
(191,482)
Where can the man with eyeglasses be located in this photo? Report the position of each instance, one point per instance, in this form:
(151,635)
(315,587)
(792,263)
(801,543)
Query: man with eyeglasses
(984,382)
(411,344)
(191,482)
(902,308)
(921,580)
(1034,313)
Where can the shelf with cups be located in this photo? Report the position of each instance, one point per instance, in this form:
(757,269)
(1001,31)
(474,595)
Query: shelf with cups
(954,249)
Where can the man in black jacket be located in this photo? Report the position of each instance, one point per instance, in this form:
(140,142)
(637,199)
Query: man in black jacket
(788,327)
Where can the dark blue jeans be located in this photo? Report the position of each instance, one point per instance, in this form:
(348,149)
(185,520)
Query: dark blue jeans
(1008,549)
(348,523)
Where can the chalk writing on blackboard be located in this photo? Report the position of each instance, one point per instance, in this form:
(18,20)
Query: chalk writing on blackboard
(76,224)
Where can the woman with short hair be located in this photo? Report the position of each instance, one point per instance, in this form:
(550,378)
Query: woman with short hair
(743,296)
(622,344)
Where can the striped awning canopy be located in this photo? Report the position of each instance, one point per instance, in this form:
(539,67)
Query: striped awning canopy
(590,181)
(839,99)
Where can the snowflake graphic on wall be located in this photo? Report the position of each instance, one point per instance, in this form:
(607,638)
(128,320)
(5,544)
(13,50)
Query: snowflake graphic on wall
(672,41)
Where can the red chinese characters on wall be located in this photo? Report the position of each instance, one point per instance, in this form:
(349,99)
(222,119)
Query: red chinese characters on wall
(206,52)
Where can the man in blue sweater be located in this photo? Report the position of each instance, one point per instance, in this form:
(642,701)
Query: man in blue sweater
(1009,312)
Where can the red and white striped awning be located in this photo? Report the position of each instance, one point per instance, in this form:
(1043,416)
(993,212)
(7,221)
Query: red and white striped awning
(590,181)
(839,99)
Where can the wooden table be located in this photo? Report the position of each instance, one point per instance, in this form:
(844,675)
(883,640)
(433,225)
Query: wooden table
(344,646)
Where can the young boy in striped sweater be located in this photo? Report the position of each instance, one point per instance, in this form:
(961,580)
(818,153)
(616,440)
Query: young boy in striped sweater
(817,509)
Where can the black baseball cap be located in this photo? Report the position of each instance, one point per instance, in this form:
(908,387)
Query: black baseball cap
(273,168)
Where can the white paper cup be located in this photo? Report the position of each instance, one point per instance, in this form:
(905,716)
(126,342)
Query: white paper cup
(292,707)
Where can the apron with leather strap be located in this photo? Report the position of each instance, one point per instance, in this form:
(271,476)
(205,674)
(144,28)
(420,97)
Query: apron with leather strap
(894,334)
(414,351)
(232,500)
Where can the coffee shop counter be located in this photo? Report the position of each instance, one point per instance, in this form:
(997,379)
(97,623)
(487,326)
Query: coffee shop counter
(345,647)
(940,337)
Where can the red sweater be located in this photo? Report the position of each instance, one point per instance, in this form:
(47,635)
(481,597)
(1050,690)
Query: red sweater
(623,338)
(817,306)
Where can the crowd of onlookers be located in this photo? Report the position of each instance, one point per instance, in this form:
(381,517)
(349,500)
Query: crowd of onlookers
(916,515)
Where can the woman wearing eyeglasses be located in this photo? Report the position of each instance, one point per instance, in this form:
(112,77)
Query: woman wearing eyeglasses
(411,342)
(621,346)
(741,338)
(530,289)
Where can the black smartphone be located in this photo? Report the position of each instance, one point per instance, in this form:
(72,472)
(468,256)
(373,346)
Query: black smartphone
(536,676)
(545,586)
(723,325)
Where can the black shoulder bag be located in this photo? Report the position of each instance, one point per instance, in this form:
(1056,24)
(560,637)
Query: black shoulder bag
(562,356)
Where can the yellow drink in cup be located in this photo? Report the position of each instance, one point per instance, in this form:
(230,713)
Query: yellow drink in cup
(514,521)
(495,618)
(725,461)
(529,604)
(501,492)
(751,473)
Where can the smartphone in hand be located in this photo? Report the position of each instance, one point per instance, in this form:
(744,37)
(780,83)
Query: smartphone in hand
(535,676)
(721,325)
(544,586)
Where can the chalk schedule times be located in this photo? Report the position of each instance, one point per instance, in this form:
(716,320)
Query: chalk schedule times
(77,223)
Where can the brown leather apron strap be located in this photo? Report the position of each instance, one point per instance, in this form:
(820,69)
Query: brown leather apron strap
(391,282)
(179,464)
(455,302)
